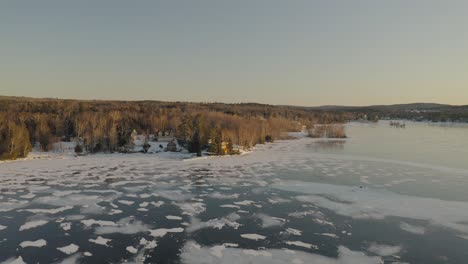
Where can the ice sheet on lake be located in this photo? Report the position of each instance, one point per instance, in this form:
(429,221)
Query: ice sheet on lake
(193,253)
(377,204)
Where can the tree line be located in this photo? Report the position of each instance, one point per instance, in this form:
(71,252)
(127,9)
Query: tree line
(106,126)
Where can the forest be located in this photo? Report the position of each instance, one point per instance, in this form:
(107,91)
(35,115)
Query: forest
(106,126)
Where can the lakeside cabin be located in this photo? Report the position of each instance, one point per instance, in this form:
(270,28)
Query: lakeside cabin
(171,146)
(164,135)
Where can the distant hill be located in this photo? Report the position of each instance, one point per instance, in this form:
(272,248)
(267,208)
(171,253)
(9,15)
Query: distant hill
(411,106)
(413,111)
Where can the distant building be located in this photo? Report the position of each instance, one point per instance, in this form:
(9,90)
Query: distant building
(171,146)
(165,135)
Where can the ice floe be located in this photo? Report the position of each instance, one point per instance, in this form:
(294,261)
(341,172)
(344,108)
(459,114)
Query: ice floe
(91,222)
(172,217)
(126,202)
(148,244)
(218,195)
(292,231)
(161,232)
(217,223)
(48,211)
(32,224)
(38,243)
(131,249)
(100,241)
(419,230)
(127,225)
(230,206)
(157,204)
(328,235)
(191,209)
(70,249)
(268,221)
(301,244)
(255,237)
(384,250)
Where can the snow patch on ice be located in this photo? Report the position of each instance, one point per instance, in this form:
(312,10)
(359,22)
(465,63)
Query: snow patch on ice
(32,224)
(100,241)
(292,231)
(255,237)
(301,244)
(126,202)
(418,230)
(384,250)
(229,206)
(38,243)
(172,217)
(131,249)
(161,232)
(269,221)
(217,223)
(70,249)
(126,225)
(91,222)
(48,211)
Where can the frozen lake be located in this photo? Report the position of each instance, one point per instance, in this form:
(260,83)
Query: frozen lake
(385,195)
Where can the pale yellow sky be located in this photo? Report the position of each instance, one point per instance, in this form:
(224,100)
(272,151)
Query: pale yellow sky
(279,52)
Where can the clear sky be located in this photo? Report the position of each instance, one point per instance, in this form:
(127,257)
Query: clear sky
(348,52)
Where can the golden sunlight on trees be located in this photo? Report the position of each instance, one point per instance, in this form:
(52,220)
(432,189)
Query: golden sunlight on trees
(14,139)
(107,126)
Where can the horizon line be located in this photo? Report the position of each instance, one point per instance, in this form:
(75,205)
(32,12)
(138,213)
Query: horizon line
(220,102)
